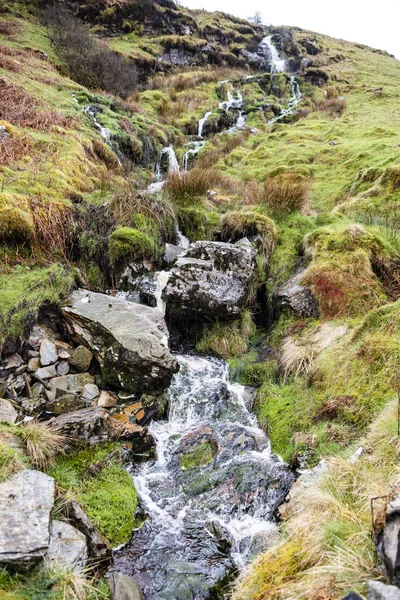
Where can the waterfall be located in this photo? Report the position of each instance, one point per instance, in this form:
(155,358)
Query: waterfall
(271,53)
(104,132)
(232,102)
(194,148)
(173,165)
(208,517)
(202,123)
(293,102)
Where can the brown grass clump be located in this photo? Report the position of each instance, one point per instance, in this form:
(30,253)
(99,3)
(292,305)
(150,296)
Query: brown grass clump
(12,148)
(42,443)
(8,28)
(51,222)
(333,106)
(284,194)
(19,108)
(9,64)
(186,186)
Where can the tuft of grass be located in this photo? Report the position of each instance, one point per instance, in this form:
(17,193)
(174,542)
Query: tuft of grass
(41,442)
(16,226)
(228,340)
(108,496)
(284,194)
(185,188)
(237,224)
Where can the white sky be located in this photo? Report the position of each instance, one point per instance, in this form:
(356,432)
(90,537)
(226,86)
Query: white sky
(372,22)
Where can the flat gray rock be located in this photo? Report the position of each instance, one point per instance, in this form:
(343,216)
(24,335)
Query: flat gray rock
(26,501)
(296,298)
(93,425)
(48,353)
(67,549)
(130,341)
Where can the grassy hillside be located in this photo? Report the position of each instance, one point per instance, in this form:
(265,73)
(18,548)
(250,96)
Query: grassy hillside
(321,188)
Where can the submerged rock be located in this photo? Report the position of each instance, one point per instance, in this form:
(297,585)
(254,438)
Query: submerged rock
(129,340)
(26,501)
(211,280)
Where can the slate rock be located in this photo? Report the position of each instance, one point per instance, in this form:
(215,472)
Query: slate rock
(93,425)
(295,298)
(376,590)
(90,391)
(46,372)
(99,549)
(67,549)
(129,340)
(81,358)
(63,368)
(65,404)
(8,414)
(48,353)
(26,501)
(72,383)
(34,364)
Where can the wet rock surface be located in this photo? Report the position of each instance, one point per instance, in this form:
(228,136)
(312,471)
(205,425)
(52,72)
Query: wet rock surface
(124,588)
(129,340)
(26,501)
(211,280)
(295,298)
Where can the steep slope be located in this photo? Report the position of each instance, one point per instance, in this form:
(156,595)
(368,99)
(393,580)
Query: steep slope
(302,159)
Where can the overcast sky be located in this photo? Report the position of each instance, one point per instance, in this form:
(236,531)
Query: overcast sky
(372,22)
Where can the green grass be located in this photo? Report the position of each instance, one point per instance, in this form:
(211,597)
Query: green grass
(109,496)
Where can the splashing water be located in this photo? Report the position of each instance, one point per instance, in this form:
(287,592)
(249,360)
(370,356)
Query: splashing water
(206,516)
(173,165)
(202,122)
(268,49)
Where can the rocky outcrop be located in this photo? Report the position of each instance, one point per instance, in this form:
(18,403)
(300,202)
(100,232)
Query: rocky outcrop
(26,501)
(130,341)
(210,281)
(389,541)
(99,550)
(123,587)
(295,298)
(67,549)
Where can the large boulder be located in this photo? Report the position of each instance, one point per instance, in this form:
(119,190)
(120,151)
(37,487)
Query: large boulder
(26,501)
(67,549)
(210,281)
(130,341)
(295,298)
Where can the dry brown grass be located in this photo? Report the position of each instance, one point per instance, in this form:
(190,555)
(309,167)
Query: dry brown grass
(51,221)
(284,194)
(14,148)
(186,186)
(42,443)
(9,28)
(9,64)
(21,109)
(333,106)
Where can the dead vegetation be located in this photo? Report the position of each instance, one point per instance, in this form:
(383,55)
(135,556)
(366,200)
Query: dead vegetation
(185,186)
(51,221)
(12,148)
(21,109)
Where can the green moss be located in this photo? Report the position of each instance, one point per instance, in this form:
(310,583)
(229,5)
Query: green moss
(16,226)
(237,224)
(127,244)
(198,223)
(11,461)
(109,497)
(227,340)
(198,456)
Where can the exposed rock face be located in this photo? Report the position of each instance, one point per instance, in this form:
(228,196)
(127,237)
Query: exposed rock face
(67,549)
(129,340)
(93,425)
(26,500)
(99,549)
(211,280)
(380,591)
(389,546)
(296,298)
(124,588)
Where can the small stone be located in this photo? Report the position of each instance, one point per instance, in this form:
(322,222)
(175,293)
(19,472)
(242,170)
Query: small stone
(71,383)
(48,353)
(46,372)
(37,390)
(51,393)
(33,353)
(8,414)
(90,391)
(64,404)
(34,364)
(63,346)
(107,399)
(63,368)
(81,358)
(20,370)
(13,361)
(64,354)
(3,388)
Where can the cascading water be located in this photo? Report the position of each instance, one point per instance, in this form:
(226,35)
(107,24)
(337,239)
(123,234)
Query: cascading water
(293,102)
(210,494)
(272,56)
(202,122)
(194,149)
(173,165)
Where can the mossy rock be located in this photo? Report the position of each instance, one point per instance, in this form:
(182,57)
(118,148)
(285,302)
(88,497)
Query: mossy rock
(127,244)
(16,226)
(199,455)
(198,223)
(235,225)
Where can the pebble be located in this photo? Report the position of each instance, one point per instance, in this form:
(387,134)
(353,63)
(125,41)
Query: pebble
(34,364)
(48,353)
(46,372)
(63,368)
(107,399)
(90,391)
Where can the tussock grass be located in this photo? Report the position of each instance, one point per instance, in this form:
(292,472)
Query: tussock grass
(186,187)
(41,442)
(237,224)
(284,194)
(327,543)
(11,461)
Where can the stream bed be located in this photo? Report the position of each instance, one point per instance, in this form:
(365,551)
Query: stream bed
(210,494)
